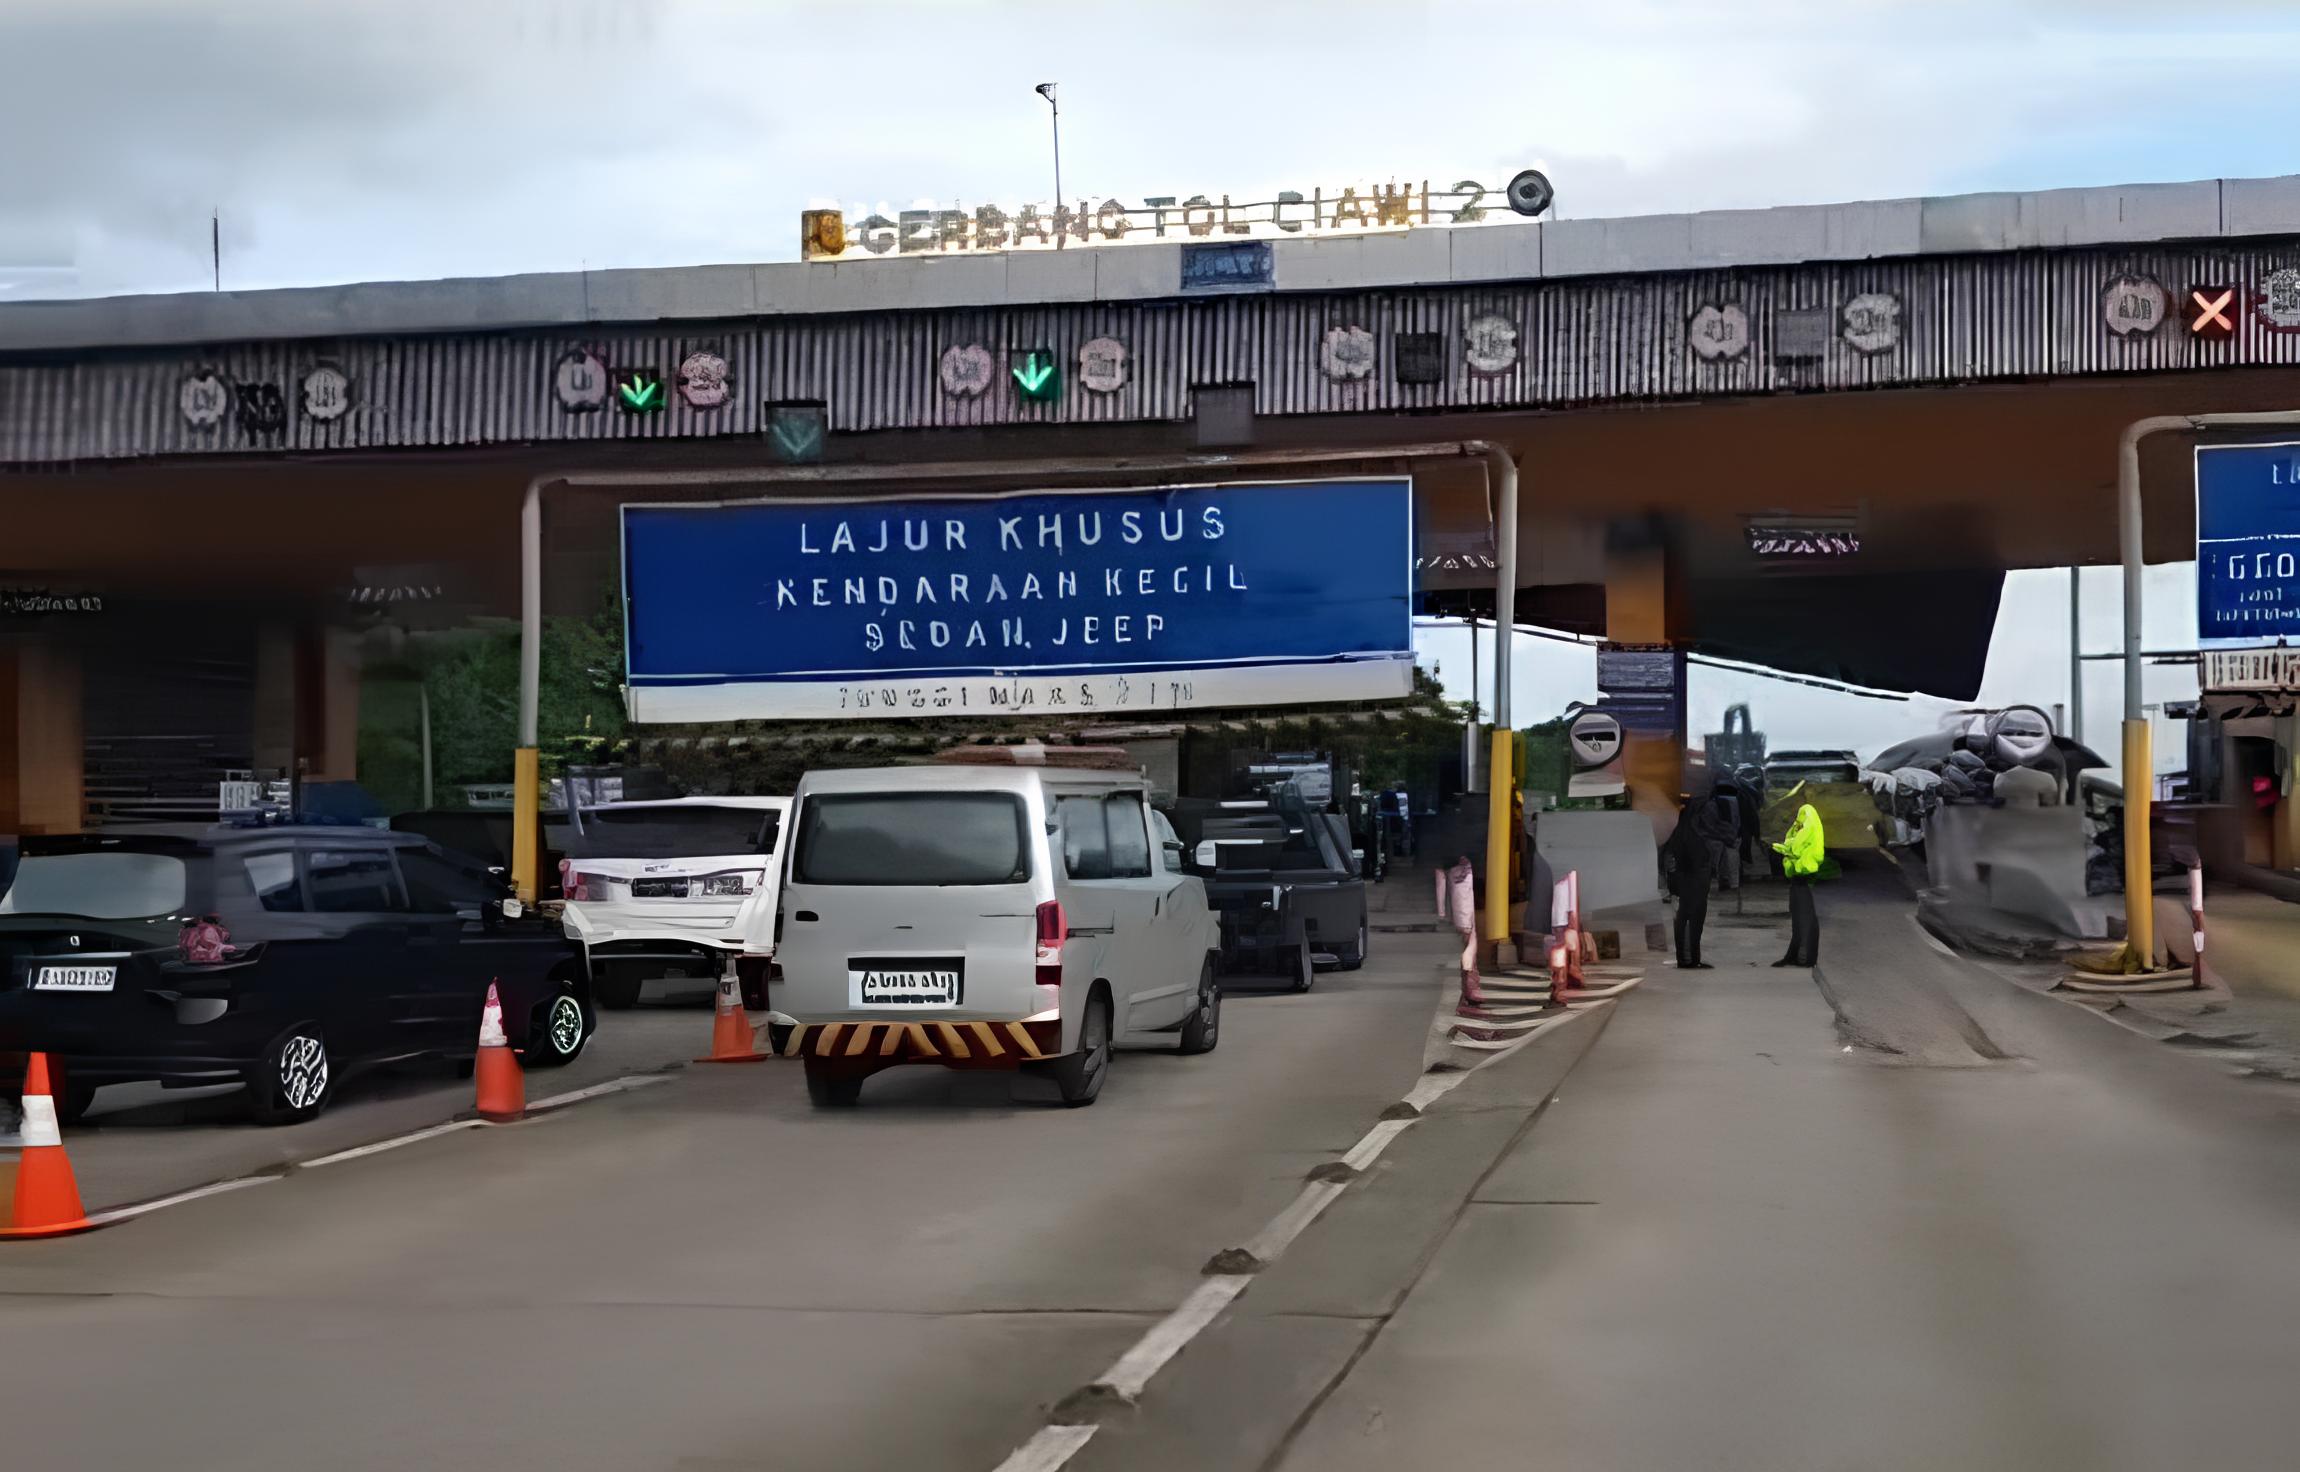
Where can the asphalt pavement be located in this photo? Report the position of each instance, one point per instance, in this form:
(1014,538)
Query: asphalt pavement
(140,1142)
(1901,1214)
(1745,1235)
(706,1273)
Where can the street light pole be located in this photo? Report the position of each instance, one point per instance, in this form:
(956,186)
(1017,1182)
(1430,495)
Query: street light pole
(1046,90)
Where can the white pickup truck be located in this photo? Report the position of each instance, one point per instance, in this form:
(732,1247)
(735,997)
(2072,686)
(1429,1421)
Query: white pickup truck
(679,889)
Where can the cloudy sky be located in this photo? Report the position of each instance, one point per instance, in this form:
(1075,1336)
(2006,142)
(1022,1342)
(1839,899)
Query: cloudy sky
(416,138)
(365,139)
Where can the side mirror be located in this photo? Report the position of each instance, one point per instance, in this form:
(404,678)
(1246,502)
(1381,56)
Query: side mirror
(1174,852)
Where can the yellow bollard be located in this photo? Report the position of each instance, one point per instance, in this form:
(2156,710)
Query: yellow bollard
(2139,891)
(526,822)
(1501,780)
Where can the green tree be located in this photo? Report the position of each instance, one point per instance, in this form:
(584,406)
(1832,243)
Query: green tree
(473,679)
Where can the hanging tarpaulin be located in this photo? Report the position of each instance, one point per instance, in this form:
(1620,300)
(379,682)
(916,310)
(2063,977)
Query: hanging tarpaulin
(1044,602)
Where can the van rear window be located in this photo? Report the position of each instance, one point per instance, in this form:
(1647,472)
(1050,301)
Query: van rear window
(689,831)
(913,838)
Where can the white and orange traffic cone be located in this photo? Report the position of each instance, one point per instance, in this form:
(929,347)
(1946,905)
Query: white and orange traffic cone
(47,1199)
(502,1087)
(731,1037)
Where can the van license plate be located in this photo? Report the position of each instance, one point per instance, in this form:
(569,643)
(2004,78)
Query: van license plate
(75,978)
(903,986)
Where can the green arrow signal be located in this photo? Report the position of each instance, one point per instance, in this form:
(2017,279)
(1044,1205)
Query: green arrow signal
(641,393)
(1037,374)
(797,437)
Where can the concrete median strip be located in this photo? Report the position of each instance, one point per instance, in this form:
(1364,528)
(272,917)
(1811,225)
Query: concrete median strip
(1076,1417)
(1125,1380)
(1376,1140)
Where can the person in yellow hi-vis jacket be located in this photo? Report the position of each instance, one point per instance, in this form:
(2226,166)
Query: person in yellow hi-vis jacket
(1800,851)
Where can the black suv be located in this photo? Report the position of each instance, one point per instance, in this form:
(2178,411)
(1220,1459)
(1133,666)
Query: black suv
(284,956)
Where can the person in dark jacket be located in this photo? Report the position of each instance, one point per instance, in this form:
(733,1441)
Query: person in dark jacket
(1689,859)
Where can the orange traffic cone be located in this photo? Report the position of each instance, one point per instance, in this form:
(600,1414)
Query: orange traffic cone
(731,1040)
(47,1198)
(502,1087)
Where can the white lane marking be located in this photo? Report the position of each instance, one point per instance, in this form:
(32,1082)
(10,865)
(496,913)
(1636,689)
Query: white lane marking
(1166,1337)
(214,1188)
(217,1188)
(1376,1140)
(1053,1446)
(612,1086)
(1049,1449)
(393,1143)
(1273,1239)
(1433,1087)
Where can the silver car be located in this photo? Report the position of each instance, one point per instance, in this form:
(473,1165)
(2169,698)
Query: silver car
(677,888)
(1016,917)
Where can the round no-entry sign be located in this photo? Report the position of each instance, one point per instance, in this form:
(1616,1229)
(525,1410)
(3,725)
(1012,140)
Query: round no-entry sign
(1595,738)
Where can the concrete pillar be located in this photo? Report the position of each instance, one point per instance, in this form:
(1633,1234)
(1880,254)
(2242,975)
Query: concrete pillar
(340,692)
(333,703)
(273,748)
(1643,607)
(307,702)
(42,740)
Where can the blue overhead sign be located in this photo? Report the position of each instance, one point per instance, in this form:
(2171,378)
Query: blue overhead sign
(1054,602)
(2247,543)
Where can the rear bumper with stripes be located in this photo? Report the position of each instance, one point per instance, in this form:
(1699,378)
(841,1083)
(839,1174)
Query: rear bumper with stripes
(952,1044)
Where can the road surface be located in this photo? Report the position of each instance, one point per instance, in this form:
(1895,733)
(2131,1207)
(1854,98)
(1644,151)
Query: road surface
(1944,1222)
(1904,1214)
(702,1274)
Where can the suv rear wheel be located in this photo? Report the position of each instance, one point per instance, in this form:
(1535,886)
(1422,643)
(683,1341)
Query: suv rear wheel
(293,1081)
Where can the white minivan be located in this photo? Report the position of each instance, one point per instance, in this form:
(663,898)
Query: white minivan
(673,890)
(986,916)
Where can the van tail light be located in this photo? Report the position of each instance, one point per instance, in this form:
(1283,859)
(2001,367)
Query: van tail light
(1053,930)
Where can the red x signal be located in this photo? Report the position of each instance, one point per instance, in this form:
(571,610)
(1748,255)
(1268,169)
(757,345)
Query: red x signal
(2211,311)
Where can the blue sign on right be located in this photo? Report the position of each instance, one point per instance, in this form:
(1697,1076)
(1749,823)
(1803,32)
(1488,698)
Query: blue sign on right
(2247,543)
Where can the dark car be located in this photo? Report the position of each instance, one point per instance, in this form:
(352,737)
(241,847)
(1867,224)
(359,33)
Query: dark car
(1284,879)
(284,957)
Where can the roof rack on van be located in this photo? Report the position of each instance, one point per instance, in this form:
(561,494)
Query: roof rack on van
(1038,754)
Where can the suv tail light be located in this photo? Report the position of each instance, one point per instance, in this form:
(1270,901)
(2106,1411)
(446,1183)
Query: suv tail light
(1053,930)
(571,881)
(733,882)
